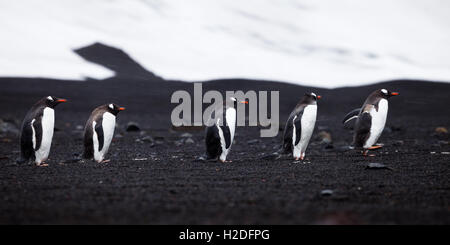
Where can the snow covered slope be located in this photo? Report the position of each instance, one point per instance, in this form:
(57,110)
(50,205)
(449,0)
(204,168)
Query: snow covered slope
(325,43)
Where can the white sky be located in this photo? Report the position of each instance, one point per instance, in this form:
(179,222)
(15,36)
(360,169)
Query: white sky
(324,43)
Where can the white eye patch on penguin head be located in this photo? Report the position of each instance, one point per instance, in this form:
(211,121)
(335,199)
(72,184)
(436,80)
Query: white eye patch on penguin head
(313,96)
(52,101)
(387,94)
(235,101)
(114,109)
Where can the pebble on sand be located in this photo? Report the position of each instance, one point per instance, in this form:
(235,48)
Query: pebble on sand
(253,141)
(441,130)
(377,165)
(140,159)
(325,137)
(132,127)
(326,192)
(189,141)
(186,135)
(8,127)
(148,139)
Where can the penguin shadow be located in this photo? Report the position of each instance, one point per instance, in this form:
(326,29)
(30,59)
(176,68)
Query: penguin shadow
(79,159)
(204,159)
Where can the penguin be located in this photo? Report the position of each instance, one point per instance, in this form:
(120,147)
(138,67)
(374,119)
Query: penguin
(300,126)
(99,131)
(370,120)
(220,135)
(37,131)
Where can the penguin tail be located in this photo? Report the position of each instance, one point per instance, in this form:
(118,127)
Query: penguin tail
(285,149)
(21,160)
(86,155)
(210,157)
(25,157)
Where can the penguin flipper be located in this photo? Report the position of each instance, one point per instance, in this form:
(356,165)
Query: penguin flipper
(37,125)
(213,145)
(350,119)
(298,129)
(287,137)
(288,130)
(100,136)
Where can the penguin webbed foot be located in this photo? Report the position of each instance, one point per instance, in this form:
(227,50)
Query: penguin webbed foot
(366,151)
(375,147)
(299,159)
(365,154)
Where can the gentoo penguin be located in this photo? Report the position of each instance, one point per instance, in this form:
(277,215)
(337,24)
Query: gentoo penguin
(300,126)
(220,134)
(37,131)
(370,119)
(99,131)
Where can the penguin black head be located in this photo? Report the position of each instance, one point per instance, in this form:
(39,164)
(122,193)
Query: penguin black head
(310,98)
(386,94)
(52,101)
(114,109)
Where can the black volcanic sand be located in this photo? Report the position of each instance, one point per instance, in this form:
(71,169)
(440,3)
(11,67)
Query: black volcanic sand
(160,181)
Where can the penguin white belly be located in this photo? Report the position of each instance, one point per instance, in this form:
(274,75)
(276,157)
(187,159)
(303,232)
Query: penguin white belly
(308,121)
(223,155)
(231,122)
(230,115)
(296,151)
(48,124)
(378,122)
(108,126)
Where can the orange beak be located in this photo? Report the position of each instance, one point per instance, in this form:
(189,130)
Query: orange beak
(319,97)
(121,108)
(394,93)
(244,102)
(61,100)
